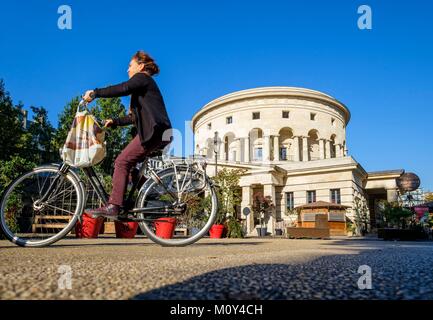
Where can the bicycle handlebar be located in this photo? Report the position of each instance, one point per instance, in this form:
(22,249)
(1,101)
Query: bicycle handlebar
(85,103)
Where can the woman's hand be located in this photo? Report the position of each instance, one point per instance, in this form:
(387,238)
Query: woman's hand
(108,123)
(89,96)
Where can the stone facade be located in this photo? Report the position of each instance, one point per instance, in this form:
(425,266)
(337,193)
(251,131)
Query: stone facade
(291,141)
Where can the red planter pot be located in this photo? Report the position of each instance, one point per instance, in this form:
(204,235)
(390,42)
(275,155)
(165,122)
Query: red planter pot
(89,228)
(165,227)
(216,231)
(125,230)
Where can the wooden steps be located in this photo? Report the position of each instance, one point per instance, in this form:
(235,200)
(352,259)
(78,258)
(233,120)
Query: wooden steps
(43,222)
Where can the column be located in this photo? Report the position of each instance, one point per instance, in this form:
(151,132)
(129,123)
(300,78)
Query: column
(304,148)
(322,149)
(238,150)
(269,190)
(246,204)
(343,151)
(338,150)
(266,148)
(247,149)
(391,195)
(328,149)
(296,148)
(276,148)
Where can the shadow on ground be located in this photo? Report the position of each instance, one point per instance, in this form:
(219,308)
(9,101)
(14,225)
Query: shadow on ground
(396,273)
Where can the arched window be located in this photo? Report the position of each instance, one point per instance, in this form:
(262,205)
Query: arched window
(313,145)
(333,148)
(256,140)
(285,145)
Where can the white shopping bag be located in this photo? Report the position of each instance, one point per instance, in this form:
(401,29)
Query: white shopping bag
(85,145)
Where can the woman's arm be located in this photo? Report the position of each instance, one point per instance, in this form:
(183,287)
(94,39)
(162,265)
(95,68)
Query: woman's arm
(123,121)
(138,81)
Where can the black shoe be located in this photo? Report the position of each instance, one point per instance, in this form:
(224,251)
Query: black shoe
(110,211)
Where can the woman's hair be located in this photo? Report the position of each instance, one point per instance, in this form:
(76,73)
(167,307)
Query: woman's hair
(149,64)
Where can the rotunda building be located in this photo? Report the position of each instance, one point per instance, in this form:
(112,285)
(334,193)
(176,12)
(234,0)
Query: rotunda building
(291,142)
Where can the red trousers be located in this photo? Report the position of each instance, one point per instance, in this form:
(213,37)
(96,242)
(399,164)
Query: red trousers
(124,163)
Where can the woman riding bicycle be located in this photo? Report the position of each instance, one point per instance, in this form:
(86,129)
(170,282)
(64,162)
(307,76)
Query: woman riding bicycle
(147,113)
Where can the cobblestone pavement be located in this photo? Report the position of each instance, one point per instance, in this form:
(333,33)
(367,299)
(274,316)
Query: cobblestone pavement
(253,268)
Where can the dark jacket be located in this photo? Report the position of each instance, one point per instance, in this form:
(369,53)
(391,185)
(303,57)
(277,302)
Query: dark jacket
(147,105)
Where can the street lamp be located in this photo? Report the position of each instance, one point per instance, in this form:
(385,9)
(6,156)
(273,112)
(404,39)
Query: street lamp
(216,142)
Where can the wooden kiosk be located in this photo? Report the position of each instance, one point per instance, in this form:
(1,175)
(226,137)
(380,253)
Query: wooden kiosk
(319,219)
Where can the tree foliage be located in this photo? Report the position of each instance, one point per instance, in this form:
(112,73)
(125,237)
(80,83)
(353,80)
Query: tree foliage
(11,128)
(40,135)
(395,215)
(12,168)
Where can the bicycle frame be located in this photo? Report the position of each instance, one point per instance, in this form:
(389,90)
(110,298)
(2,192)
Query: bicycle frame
(103,195)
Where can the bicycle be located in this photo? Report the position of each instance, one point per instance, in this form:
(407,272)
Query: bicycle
(42,206)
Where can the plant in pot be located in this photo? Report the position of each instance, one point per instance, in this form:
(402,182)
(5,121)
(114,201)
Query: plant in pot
(165,226)
(217,229)
(234,228)
(401,223)
(197,214)
(261,206)
(228,195)
(279,227)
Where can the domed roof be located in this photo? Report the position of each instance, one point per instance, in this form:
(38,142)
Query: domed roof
(272,92)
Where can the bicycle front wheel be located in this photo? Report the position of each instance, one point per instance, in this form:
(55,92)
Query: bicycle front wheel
(195,211)
(29,222)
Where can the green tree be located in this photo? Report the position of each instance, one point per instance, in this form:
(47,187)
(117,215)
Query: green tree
(395,215)
(11,127)
(41,133)
(11,169)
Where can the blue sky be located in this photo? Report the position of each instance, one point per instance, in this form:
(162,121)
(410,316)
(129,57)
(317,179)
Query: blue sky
(210,48)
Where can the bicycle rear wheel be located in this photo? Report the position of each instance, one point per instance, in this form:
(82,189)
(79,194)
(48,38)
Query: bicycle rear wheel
(196,206)
(29,222)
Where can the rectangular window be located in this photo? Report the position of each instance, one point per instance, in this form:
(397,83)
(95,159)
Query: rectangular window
(256,115)
(310,217)
(290,202)
(258,154)
(229,120)
(286,114)
(311,196)
(283,153)
(333,122)
(335,196)
(337,216)
(312,116)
